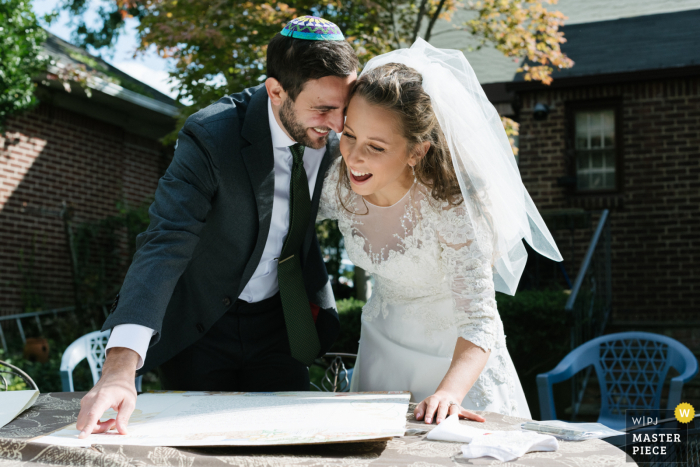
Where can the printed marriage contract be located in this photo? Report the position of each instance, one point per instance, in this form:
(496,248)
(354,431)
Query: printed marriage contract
(251,419)
(13,403)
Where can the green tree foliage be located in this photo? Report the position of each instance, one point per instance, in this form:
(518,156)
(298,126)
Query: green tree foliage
(20,57)
(103,256)
(219,47)
(349,313)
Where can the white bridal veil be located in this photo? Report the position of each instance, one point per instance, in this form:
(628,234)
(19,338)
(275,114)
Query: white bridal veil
(482,157)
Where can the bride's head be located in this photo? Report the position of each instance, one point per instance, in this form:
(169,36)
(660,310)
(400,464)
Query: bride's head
(391,132)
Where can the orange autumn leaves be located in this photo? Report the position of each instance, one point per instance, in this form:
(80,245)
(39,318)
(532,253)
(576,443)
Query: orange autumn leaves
(523,29)
(219,46)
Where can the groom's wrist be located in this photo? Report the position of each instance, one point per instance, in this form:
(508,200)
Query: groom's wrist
(120,362)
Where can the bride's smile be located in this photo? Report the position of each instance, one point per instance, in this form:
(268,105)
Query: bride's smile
(359,177)
(377,155)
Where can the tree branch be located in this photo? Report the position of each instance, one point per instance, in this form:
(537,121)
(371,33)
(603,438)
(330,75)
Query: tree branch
(419,20)
(433,20)
(393,25)
(445,31)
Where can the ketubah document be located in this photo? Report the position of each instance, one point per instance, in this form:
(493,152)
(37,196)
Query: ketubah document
(13,403)
(251,419)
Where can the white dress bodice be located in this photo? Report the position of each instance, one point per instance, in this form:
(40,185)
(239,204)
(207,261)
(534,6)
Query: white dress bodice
(432,284)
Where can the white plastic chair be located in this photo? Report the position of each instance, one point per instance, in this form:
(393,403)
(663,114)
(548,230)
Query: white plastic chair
(90,346)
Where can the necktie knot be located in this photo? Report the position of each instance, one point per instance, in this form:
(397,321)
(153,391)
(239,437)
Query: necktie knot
(297,153)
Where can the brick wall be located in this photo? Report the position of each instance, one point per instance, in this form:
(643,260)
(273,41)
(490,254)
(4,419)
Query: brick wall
(51,155)
(656,213)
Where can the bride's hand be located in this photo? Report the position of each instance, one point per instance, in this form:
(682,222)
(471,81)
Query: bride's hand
(439,406)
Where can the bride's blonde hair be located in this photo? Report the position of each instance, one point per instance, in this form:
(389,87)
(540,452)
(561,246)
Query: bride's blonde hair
(399,88)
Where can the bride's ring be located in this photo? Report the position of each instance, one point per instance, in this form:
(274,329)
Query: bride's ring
(452,403)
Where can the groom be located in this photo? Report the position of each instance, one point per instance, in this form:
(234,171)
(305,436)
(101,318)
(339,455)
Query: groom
(228,290)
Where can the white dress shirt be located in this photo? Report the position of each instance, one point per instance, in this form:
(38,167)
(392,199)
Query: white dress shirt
(263,283)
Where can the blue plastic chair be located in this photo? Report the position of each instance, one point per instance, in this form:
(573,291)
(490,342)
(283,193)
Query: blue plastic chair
(631,369)
(91,346)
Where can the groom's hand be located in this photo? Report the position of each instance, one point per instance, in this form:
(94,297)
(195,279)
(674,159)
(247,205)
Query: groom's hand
(115,389)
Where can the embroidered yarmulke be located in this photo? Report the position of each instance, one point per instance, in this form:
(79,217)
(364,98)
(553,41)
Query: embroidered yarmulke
(312,28)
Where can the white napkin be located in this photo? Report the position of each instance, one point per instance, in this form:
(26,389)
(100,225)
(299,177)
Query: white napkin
(503,445)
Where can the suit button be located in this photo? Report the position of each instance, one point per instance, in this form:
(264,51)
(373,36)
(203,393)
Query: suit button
(200,328)
(226,301)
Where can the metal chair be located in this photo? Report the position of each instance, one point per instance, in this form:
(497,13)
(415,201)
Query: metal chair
(90,346)
(336,378)
(8,370)
(631,369)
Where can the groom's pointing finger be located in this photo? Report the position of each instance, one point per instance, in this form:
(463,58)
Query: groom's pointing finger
(92,417)
(125,410)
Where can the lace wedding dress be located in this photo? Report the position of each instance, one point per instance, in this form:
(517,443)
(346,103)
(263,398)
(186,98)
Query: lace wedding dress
(431,286)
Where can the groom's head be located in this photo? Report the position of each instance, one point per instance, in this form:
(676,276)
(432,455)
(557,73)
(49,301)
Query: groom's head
(309,81)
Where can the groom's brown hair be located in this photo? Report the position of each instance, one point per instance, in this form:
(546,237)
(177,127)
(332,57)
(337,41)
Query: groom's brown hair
(293,62)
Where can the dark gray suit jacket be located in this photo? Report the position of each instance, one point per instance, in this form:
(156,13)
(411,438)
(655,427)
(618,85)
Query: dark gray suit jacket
(209,225)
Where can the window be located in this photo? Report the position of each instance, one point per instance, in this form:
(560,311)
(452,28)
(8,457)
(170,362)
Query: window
(595,149)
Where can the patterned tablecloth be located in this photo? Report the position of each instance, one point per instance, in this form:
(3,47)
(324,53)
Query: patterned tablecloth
(55,410)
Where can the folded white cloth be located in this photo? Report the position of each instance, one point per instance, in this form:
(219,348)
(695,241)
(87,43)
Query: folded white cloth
(503,445)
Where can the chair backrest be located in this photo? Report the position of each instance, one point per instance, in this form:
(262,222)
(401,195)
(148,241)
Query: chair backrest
(91,346)
(631,369)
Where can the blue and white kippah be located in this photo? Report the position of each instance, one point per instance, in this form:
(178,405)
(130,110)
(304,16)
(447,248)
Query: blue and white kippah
(312,28)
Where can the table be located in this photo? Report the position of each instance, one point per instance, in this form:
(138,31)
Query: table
(55,410)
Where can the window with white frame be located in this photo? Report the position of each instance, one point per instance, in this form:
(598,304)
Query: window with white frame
(595,150)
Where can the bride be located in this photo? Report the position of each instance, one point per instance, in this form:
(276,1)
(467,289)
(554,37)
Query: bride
(429,200)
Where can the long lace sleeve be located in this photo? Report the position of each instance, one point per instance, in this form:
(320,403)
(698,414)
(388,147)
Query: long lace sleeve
(329,204)
(470,279)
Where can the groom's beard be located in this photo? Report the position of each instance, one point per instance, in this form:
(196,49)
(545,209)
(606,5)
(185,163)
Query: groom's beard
(296,130)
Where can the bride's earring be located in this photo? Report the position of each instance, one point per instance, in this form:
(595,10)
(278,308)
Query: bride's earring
(413,168)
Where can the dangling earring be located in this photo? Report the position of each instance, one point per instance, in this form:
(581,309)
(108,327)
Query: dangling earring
(413,168)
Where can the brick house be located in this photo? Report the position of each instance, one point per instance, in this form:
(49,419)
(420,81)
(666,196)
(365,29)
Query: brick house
(89,152)
(621,131)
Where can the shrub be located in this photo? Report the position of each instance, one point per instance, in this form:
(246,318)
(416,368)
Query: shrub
(349,312)
(537,335)
(537,329)
(60,331)
(47,375)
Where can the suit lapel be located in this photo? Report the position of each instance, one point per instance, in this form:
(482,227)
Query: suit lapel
(258,158)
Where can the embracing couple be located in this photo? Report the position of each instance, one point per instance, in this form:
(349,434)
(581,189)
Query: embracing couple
(228,290)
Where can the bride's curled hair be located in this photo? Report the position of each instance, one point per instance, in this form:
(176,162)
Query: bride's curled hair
(398,88)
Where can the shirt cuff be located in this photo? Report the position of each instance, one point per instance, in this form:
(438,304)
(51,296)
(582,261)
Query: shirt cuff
(131,336)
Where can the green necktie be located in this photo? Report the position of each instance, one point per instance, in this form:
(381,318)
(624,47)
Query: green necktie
(303,339)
